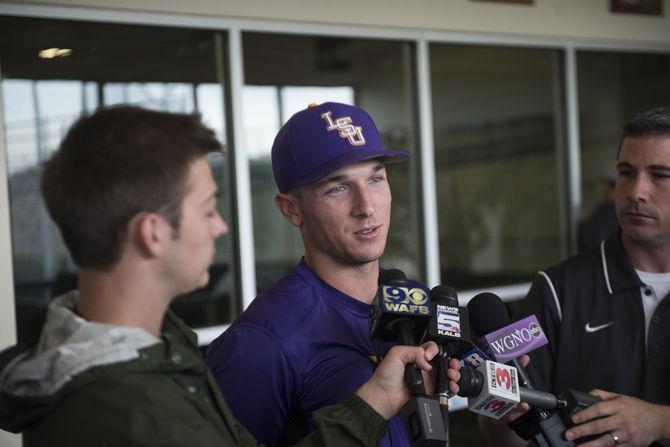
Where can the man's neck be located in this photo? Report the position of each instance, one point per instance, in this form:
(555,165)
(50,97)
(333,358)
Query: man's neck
(648,258)
(357,281)
(122,299)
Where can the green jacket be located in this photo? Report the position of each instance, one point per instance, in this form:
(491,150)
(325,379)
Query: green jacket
(93,384)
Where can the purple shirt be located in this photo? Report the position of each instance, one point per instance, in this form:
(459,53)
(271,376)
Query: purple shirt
(300,345)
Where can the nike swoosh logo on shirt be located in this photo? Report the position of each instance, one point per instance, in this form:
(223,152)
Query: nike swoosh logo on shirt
(591,329)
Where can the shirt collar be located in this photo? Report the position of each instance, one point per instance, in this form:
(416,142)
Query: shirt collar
(342,299)
(618,271)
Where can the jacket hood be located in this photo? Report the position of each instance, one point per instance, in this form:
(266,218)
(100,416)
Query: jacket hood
(34,379)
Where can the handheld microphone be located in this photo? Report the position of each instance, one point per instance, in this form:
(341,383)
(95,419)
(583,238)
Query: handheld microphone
(449,324)
(449,327)
(400,312)
(472,383)
(501,339)
(488,314)
(492,388)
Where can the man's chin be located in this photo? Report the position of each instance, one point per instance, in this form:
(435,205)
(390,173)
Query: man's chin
(366,258)
(640,235)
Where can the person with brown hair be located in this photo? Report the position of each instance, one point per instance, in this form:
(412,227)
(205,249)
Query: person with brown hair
(134,198)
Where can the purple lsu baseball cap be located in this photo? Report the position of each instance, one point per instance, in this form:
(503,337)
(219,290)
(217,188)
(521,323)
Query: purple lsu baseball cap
(322,139)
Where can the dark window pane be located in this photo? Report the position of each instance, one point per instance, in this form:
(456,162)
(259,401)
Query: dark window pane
(283,74)
(612,88)
(161,68)
(498,135)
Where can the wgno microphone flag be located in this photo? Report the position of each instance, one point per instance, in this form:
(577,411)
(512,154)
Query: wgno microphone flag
(514,340)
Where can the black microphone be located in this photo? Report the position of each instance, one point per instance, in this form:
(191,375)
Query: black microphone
(488,314)
(449,327)
(472,381)
(400,312)
(449,324)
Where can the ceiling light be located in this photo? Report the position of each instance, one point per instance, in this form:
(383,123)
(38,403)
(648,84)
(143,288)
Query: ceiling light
(51,53)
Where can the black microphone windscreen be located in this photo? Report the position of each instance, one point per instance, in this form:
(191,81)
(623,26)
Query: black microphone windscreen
(442,294)
(487,313)
(392,276)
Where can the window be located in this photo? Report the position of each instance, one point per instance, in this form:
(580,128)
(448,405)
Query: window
(498,138)
(283,74)
(612,88)
(155,67)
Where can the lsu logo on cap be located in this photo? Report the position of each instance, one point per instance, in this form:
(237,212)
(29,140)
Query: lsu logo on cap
(346,130)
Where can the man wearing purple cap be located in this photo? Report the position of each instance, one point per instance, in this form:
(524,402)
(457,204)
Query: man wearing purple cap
(308,333)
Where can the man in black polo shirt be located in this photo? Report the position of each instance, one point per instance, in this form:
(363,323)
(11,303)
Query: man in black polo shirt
(606,311)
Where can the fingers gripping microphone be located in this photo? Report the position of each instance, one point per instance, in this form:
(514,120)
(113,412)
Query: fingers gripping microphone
(472,384)
(449,328)
(400,312)
(492,389)
(505,341)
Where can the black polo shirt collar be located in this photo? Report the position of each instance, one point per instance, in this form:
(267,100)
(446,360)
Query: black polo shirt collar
(619,273)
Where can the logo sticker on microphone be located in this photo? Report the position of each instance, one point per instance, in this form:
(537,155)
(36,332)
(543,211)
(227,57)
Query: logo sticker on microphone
(448,321)
(514,339)
(408,300)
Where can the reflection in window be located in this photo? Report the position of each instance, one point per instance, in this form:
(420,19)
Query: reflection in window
(375,75)
(612,88)
(159,68)
(497,140)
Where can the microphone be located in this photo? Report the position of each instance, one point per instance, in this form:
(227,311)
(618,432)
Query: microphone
(504,341)
(449,328)
(449,325)
(492,389)
(400,312)
(488,315)
(473,384)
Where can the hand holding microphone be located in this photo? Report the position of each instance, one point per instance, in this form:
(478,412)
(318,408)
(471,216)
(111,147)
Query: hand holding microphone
(505,341)
(400,313)
(386,391)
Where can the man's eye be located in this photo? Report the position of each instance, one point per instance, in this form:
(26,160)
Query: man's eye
(377,179)
(336,189)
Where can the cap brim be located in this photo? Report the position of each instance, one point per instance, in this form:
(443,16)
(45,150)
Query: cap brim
(350,158)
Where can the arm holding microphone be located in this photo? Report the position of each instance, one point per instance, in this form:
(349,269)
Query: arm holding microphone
(387,391)
(494,431)
(505,342)
(632,420)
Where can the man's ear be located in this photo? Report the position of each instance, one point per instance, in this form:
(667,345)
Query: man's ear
(150,232)
(289,206)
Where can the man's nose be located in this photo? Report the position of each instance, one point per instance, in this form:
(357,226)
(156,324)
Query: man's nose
(639,189)
(364,202)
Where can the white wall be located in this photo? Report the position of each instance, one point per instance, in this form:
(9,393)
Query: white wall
(590,19)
